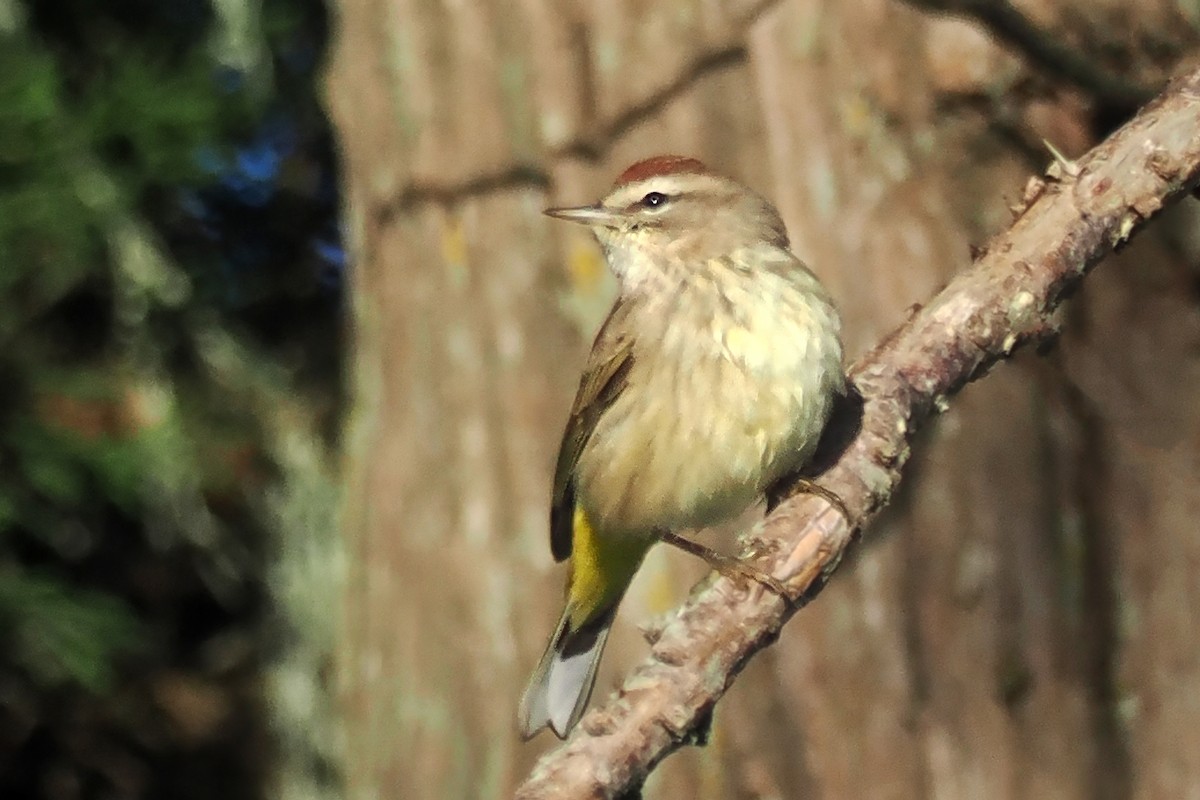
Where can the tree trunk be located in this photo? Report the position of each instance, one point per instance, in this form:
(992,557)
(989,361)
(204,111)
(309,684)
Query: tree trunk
(1021,622)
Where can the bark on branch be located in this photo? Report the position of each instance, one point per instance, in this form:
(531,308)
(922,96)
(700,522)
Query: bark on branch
(1005,300)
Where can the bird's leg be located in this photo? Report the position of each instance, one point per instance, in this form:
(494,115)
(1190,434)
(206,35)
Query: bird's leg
(805,486)
(728,566)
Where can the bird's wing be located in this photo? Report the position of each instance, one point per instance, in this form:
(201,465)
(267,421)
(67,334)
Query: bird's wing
(604,378)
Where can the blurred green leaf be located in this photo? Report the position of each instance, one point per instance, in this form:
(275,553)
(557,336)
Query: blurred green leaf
(64,634)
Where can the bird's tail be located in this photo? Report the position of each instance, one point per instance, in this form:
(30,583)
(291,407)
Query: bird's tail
(601,569)
(560,687)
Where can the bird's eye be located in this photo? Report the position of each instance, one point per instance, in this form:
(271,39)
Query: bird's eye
(654,200)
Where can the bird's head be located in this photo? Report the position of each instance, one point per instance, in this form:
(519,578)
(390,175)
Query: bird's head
(669,212)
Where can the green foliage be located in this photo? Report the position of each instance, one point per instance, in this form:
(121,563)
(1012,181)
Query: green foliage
(63,634)
(148,434)
(150,121)
(48,239)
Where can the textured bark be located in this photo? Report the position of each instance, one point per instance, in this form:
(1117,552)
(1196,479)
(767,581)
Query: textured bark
(1022,622)
(1008,299)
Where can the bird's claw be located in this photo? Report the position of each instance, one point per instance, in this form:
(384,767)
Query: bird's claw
(730,567)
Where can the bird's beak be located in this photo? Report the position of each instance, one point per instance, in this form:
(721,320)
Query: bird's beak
(586,215)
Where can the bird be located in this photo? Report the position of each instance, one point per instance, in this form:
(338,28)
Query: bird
(711,379)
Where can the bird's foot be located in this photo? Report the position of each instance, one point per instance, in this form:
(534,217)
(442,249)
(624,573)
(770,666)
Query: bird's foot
(805,486)
(730,567)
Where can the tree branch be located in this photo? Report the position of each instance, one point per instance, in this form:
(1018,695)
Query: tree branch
(1006,299)
(1008,24)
